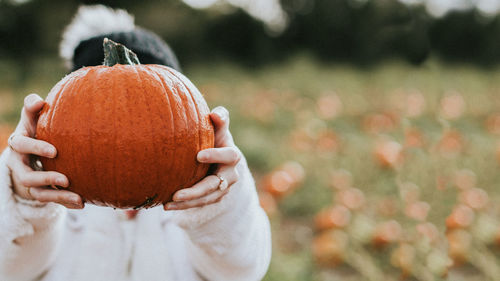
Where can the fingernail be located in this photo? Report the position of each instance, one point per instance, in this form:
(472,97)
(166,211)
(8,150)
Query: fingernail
(30,99)
(169,206)
(61,182)
(50,151)
(221,112)
(75,200)
(202,155)
(180,197)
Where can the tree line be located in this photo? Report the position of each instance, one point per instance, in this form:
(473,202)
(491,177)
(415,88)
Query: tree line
(354,31)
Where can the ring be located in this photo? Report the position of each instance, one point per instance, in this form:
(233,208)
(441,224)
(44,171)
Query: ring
(29,192)
(9,141)
(223,183)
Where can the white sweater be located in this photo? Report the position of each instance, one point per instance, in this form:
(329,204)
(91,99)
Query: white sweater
(229,240)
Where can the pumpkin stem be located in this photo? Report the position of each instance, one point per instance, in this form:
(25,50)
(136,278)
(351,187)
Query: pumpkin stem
(115,53)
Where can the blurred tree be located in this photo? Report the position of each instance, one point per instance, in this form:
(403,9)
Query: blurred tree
(357,31)
(363,31)
(467,36)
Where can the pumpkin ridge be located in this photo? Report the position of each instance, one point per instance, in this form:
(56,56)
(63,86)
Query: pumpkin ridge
(195,171)
(91,89)
(166,96)
(138,71)
(75,87)
(115,141)
(162,126)
(173,104)
(127,110)
(198,147)
(185,120)
(199,170)
(184,99)
(131,74)
(52,111)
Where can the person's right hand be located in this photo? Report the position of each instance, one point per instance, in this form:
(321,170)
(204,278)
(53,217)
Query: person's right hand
(29,183)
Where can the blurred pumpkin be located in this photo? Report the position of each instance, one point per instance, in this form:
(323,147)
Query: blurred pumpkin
(410,102)
(329,105)
(428,231)
(450,144)
(352,198)
(492,123)
(268,203)
(462,216)
(476,198)
(459,244)
(284,179)
(414,138)
(388,153)
(340,179)
(127,134)
(327,141)
(5,132)
(294,170)
(452,105)
(403,258)
(332,217)
(330,248)
(278,183)
(386,233)
(465,179)
(418,210)
(379,122)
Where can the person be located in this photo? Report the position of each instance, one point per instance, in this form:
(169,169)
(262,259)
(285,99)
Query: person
(208,232)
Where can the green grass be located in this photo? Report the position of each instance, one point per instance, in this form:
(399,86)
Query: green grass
(272,104)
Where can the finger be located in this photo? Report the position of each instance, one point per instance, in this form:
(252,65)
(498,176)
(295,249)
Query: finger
(39,179)
(27,145)
(220,119)
(33,103)
(211,198)
(67,198)
(207,185)
(221,155)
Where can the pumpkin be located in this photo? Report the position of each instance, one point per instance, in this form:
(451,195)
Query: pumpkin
(5,132)
(127,134)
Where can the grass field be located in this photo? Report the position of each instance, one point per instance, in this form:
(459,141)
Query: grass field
(385,173)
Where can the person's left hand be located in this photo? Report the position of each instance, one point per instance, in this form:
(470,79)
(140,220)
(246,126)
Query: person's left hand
(226,155)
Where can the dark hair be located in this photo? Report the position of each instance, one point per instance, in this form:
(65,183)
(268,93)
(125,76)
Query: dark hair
(149,47)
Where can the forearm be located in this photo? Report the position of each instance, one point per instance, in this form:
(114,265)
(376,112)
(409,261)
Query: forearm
(29,232)
(230,240)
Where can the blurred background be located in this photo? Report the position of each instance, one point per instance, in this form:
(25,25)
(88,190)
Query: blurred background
(372,127)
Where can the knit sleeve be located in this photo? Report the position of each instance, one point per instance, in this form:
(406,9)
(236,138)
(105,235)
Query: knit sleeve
(231,239)
(29,232)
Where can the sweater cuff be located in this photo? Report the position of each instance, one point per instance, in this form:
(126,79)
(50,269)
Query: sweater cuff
(21,219)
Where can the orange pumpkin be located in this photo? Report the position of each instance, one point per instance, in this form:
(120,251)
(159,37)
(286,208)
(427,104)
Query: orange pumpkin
(127,135)
(5,132)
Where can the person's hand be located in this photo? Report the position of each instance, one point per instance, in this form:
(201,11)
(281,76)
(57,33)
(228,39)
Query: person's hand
(33,184)
(226,155)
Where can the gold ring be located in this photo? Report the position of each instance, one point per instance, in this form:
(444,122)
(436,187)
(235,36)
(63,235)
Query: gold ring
(29,192)
(9,141)
(223,183)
